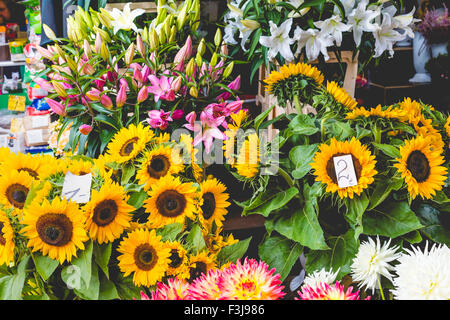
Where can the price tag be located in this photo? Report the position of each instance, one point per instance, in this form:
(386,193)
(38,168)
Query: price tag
(16,103)
(345,171)
(39,121)
(77,188)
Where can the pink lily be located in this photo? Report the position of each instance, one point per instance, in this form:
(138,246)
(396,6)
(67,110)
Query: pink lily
(185,52)
(94,94)
(161,88)
(121,96)
(233,85)
(210,130)
(44,84)
(159,119)
(177,114)
(106,101)
(142,94)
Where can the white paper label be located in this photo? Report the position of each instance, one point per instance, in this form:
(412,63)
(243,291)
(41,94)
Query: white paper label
(39,121)
(34,136)
(345,171)
(77,188)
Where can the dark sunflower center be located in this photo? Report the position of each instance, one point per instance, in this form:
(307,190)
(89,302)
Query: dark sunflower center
(417,163)
(105,212)
(175,259)
(54,229)
(158,167)
(16,195)
(30,172)
(194,273)
(331,171)
(128,147)
(145,257)
(171,203)
(2,239)
(209,205)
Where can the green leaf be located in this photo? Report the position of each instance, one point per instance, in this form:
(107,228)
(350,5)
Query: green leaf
(431,217)
(84,262)
(303,124)
(91,291)
(110,121)
(233,252)
(45,266)
(102,254)
(260,118)
(137,198)
(107,290)
(392,220)
(11,286)
(302,156)
(255,41)
(280,253)
(276,202)
(388,150)
(170,231)
(195,240)
(355,210)
(343,249)
(384,186)
(128,171)
(340,130)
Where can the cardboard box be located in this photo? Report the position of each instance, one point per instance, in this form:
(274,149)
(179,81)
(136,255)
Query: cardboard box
(36,137)
(36,122)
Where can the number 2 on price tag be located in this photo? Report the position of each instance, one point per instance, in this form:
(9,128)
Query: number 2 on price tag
(77,188)
(345,171)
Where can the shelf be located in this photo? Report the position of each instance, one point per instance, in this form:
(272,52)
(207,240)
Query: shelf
(11,63)
(399,86)
(247,222)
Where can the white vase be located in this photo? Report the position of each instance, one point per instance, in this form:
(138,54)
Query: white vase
(438,48)
(421,55)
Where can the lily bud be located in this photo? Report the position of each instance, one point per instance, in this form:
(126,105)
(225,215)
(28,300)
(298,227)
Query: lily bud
(93,94)
(129,55)
(72,65)
(103,34)
(44,52)
(121,96)
(213,61)
(56,107)
(190,67)
(59,51)
(198,60)
(105,18)
(98,43)
(104,52)
(176,84)
(87,49)
(59,89)
(193,92)
(173,34)
(85,129)
(218,37)
(106,101)
(49,32)
(185,51)
(228,70)
(140,45)
(201,47)
(153,39)
(137,75)
(142,95)
(251,24)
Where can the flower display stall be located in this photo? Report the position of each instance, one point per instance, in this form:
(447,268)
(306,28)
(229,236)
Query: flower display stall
(155,148)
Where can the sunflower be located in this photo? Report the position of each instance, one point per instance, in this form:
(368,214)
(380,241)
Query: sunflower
(447,126)
(32,164)
(14,188)
(108,213)
(291,70)
(340,95)
(170,201)
(421,167)
(426,129)
(178,260)
(128,142)
(79,168)
(143,254)
(213,202)
(215,242)
(411,110)
(200,263)
(6,240)
(158,163)
(247,163)
(186,142)
(56,229)
(363,162)
(388,113)
(5,152)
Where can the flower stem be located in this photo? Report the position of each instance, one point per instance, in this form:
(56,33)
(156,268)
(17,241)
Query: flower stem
(381,289)
(297,105)
(286,177)
(136,113)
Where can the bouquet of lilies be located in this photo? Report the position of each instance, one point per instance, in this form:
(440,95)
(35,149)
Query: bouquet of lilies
(109,74)
(278,32)
(345,172)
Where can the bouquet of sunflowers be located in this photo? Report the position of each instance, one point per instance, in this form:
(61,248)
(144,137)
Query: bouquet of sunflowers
(345,173)
(111,227)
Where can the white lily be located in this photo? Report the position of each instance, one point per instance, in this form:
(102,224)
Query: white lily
(123,20)
(334,27)
(296,4)
(279,40)
(314,41)
(406,21)
(361,20)
(229,31)
(385,36)
(348,7)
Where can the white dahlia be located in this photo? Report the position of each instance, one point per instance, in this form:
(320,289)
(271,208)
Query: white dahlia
(372,261)
(423,275)
(321,276)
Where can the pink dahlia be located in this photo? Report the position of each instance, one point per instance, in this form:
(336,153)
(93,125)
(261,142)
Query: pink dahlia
(324,291)
(175,289)
(206,286)
(250,281)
